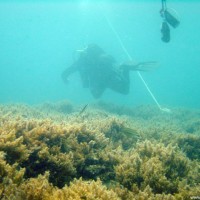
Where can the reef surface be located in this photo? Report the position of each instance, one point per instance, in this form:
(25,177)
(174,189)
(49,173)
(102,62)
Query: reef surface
(58,151)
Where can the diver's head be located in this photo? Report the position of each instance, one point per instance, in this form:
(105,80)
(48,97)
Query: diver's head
(91,51)
(94,50)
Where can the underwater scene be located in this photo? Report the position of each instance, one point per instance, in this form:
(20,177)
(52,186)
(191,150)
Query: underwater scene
(99,100)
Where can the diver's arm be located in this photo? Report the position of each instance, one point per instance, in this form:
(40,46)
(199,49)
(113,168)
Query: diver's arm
(70,70)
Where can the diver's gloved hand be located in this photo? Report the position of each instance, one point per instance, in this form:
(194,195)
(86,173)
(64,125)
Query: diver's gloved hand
(66,81)
(70,70)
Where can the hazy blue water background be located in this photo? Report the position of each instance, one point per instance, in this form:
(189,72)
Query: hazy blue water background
(38,40)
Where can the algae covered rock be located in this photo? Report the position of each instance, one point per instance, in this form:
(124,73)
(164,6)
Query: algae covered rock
(52,152)
(154,165)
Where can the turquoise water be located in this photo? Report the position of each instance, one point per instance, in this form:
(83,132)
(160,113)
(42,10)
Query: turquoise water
(38,40)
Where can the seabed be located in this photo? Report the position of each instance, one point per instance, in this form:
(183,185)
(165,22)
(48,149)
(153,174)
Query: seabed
(58,151)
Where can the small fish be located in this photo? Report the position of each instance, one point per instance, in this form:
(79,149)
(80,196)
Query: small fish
(83,109)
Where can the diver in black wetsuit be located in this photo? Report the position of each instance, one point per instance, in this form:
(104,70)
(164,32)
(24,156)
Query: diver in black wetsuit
(99,71)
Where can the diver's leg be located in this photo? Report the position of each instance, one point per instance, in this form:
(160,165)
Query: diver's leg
(120,81)
(97,91)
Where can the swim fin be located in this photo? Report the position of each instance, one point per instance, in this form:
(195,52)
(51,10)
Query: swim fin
(141,66)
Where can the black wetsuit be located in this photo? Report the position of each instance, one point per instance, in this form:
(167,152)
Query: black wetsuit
(98,71)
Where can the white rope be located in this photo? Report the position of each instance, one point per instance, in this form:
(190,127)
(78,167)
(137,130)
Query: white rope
(130,58)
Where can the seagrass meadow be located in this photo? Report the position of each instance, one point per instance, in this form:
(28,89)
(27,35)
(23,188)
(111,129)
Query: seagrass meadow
(57,151)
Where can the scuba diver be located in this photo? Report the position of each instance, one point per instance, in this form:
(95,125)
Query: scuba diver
(169,17)
(99,71)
